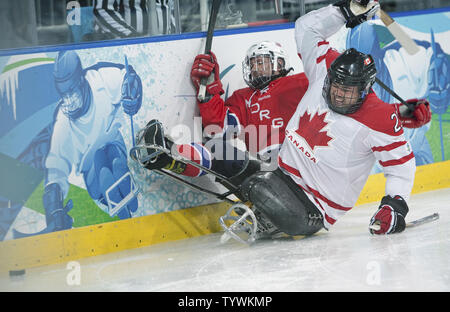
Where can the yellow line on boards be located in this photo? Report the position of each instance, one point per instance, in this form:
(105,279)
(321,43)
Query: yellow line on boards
(77,243)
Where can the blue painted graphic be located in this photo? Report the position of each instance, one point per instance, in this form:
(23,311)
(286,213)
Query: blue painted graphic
(86,132)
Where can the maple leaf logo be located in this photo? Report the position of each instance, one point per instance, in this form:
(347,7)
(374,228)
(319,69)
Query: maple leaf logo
(310,129)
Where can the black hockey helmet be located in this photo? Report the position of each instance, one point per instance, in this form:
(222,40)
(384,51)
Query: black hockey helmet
(348,81)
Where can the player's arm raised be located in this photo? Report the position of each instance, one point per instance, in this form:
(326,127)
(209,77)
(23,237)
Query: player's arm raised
(312,30)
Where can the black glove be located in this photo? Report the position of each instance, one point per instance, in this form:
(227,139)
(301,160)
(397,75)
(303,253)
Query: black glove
(357,11)
(390,216)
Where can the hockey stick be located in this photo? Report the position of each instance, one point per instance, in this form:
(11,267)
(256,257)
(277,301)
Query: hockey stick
(376,226)
(409,106)
(129,92)
(405,41)
(390,91)
(209,36)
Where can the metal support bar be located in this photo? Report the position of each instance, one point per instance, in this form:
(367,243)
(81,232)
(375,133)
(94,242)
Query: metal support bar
(152,18)
(177,17)
(302,7)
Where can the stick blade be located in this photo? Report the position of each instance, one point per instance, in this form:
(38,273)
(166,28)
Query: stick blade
(435,216)
(423,220)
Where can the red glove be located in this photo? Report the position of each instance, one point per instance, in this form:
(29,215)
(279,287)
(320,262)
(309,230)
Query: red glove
(204,66)
(390,216)
(416,114)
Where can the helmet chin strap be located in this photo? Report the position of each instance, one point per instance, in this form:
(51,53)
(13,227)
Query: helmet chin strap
(282,73)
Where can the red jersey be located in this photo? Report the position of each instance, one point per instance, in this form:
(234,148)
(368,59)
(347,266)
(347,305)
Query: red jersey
(258,116)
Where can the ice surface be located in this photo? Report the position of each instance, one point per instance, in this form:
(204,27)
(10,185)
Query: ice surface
(347,258)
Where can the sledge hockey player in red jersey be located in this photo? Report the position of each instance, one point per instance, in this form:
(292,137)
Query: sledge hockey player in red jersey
(266,105)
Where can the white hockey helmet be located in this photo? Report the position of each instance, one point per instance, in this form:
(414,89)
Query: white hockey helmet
(256,69)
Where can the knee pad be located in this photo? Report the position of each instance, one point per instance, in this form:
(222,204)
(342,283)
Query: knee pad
(271,195)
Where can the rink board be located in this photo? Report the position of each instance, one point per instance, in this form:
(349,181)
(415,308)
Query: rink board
(168,211)
(64,246)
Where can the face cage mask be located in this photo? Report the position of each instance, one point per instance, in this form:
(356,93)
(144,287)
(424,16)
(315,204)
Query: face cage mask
(262,73)
(350,102)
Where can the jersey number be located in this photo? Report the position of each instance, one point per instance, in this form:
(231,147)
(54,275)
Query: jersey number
(397,126)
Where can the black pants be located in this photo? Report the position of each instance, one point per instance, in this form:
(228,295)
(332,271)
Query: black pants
(283,202)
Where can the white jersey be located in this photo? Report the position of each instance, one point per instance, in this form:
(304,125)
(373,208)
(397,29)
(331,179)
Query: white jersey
(330,155)
(74,142)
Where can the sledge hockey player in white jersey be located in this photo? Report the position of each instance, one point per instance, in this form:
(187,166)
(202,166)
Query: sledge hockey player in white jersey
(340,127)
